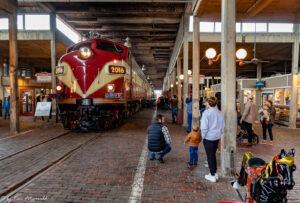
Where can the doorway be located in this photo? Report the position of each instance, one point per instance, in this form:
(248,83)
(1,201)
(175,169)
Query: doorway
(266,96)
(26,102)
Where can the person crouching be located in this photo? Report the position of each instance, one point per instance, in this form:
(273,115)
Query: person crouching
(194,138)
(159,140)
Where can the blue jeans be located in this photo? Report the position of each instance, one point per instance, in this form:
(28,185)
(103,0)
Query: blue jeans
(6,113)
(161,154)
(174,114)
(193,155)
(190,116)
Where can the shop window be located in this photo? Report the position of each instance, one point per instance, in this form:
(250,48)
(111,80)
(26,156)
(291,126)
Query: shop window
(287,96)
(247,92)
(279,96)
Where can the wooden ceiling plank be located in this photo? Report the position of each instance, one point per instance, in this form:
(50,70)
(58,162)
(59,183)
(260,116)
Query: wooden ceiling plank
(257,7)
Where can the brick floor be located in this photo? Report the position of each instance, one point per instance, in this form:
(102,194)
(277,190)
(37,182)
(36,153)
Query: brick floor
(103,171)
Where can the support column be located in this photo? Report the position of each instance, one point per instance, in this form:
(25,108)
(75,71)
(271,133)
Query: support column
(196,71)
(228,87)
(295,65)
(185,89)
(185,79)
(53,61)
(174,82)
(13,65)
(258,89)
(1,87)
(179,83)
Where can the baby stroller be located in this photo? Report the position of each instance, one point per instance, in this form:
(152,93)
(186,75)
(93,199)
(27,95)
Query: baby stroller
(242,137)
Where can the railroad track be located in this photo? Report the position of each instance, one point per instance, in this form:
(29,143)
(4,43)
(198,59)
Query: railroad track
(8,193)
(33,146)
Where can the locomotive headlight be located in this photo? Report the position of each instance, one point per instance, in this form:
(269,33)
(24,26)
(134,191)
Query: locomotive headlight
(58,88)
(85,52)
(110,88)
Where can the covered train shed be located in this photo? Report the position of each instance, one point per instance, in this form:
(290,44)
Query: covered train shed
(183,48)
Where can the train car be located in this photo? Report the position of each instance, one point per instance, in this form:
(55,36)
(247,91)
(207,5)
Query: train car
(99,84)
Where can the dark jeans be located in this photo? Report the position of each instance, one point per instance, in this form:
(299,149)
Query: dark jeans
(6,113)
(161,154)
(269,127)
(190,117)
(211,149)
(174,114)
(193,155)
(248,127)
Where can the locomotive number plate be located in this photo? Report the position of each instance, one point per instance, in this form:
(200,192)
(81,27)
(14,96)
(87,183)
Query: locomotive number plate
(117,69)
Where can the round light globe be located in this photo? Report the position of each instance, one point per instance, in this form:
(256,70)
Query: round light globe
(189,72)
(210,53)
(241,54)
(181,77)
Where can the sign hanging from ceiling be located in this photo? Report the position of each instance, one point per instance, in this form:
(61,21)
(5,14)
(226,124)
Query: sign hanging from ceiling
(43,77)
(201,79)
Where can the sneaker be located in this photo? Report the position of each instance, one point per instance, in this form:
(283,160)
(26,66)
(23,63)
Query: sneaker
(271,142)
(161,160)
(190,165)
(211,178)
(195,164)
(217,176)
(151,159)
(263,142)
(206,165)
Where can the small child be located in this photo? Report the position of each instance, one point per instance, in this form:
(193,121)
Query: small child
(265,116)
(194,138)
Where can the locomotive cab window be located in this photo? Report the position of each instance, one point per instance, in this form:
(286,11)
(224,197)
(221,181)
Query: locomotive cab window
(110,47)
(77,47)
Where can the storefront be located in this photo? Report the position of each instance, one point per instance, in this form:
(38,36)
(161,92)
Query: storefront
(29,90)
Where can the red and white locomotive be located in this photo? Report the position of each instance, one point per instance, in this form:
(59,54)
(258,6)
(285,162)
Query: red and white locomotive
(98,84)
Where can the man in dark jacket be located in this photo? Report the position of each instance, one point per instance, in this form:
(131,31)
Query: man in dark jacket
(159,140)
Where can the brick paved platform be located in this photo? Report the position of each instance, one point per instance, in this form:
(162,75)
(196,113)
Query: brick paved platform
(104,170)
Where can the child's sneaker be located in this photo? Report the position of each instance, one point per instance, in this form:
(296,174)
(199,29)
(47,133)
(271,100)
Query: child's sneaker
(271,142)
(263,142)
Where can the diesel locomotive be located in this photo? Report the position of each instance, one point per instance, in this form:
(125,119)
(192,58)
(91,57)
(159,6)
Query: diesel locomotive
(99,84)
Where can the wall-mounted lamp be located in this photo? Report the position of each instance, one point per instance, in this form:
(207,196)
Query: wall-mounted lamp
(143,68)
(211,54)
(172,85)
(189,72)
(241,55)
(176,82)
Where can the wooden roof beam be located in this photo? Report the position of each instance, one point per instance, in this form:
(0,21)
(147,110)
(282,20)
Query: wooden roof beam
(123,28)
(129,1)
(8,6)
(126,20)
(257,7)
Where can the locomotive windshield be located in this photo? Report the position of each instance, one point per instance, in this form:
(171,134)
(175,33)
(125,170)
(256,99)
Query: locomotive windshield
(110,47)
(77,47)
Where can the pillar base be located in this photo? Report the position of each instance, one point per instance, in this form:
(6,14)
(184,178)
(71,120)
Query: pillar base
(180,117)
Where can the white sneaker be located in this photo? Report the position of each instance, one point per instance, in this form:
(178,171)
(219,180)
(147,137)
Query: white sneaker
(217,176)
(206,165)
(211,178)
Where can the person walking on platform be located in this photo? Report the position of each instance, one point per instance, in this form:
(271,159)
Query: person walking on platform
(212,127)
(272,112)
(6,107)
(174,105)
(248,118)
(159,140)
(194,138)
(189,109)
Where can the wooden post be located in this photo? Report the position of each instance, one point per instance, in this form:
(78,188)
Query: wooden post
(53,61)
(13,65)
(196,71)
(185,80)
(228,87)
(295,65)
(1,87)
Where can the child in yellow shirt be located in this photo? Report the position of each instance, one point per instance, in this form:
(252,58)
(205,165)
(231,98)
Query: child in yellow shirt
(194,138)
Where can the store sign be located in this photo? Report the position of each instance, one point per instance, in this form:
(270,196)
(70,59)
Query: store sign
(260,84)
(43,77)
(43,109)
(201,79)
